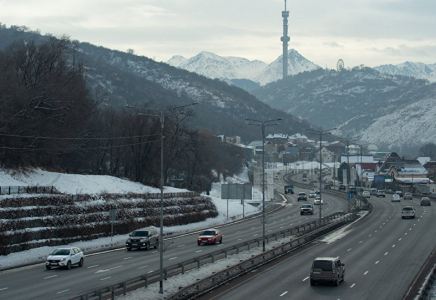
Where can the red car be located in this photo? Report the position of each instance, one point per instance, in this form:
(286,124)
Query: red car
(210,236)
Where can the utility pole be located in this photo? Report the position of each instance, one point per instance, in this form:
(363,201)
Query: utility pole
(263,124)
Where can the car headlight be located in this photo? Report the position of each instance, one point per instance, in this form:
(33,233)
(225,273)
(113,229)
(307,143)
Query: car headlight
(62,259)
(128,240)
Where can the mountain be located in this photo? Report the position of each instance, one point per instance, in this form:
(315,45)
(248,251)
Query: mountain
(418,70)
(120,78)
(214,66)
(296,64)
(228,68)
(362,103)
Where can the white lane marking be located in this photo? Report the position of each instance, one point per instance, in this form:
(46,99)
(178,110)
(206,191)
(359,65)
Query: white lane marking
(283,294)
(376,262)
(62,291)
(414,224)
(365,273)
(399,239)
(105,278)
(3,289)
(127,258)
(352,285)
(410,228)
(172,258)
(220,245)
(142,267)
(370,235)
(180,246)
(92,266)
(375,231)
(360,242)
(198,250)
(291,224)
(386,253)
(393,246)
(268,231)
(349,249)
(306,278)
(255,234)
(281,226)
(253,228)
(50,276)
(101,271)
(405,233)
(149,272)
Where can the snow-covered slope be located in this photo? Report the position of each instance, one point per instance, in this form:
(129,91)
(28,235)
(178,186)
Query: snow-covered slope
(418,70)
(413,123)
(296,64)
(214,66)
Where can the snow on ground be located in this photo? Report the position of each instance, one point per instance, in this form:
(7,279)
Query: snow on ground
(95,184)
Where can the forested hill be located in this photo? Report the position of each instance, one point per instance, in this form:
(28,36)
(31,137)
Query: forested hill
(120,78)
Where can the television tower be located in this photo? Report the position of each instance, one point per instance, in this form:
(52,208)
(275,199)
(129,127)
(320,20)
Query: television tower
(285,39)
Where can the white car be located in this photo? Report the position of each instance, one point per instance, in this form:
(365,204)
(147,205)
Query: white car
(65,258)
(395,198)
(366,194)
(318,201)
(312,194)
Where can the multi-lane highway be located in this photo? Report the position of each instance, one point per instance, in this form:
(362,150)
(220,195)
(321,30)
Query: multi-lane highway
(35,282)
(382,254)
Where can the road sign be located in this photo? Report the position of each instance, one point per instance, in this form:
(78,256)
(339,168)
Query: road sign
(350,196)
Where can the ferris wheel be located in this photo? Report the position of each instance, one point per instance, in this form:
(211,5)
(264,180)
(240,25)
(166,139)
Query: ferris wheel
(339,65)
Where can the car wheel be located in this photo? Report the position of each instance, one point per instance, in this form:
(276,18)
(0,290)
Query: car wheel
(198,244)
(81,262)
(312,283)
(156,245)
(214,241)
(48,267)
(147,246)
(69,265)
(221,240)
(337,282)
(129,249)
(343,277)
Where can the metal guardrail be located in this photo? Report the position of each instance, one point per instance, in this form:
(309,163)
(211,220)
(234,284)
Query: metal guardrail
(222,277)
(111,291)
(9,190)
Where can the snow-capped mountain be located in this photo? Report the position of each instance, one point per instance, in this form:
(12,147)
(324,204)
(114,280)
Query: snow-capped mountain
(214,66)
(418,70)
(296,64)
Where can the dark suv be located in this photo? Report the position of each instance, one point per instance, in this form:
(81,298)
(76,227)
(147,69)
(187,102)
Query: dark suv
(143,239)
(327,269)
(302,196)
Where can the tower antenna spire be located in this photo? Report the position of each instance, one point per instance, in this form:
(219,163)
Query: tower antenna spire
(285,39)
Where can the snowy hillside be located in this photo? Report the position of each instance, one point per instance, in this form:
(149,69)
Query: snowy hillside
(214,66)
(296,64)
(410,123)
(418,70)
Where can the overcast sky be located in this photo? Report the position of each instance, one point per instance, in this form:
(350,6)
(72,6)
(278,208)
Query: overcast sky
(369,32)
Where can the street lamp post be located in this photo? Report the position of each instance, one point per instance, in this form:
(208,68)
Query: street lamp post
(263,124)
(320,132)
(161,115)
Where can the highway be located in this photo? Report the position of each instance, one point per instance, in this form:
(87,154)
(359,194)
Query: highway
(35,282)
(382,254)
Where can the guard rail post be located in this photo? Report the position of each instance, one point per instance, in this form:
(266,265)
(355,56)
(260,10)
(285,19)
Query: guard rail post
(198,262)
(183,267)
(112,292)
(145,278)
(124,288)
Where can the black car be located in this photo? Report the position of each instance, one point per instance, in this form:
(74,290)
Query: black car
(342,188)
(143,239)
(302,196)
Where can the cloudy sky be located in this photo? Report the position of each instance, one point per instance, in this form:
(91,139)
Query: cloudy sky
(368,32)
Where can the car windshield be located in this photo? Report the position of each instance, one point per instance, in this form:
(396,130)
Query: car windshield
(323,265)
(208,232)
(140,233)
(425,198)
(306,206)
(407,208)
(61,252)
(301,194)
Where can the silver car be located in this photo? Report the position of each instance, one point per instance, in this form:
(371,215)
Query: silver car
(425,201)
(395,198)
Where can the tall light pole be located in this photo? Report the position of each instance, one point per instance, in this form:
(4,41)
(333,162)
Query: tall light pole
(161,115)
(263,124)
(320,132)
